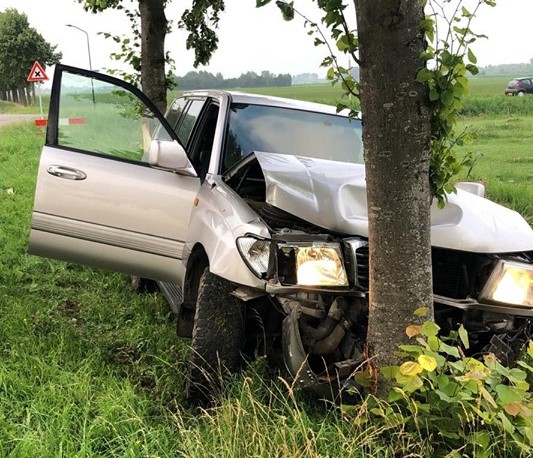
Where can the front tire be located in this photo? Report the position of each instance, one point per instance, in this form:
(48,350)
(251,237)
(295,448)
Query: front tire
(217,338)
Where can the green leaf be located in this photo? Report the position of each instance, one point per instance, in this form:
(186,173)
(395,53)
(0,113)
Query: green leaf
(364,379)
(414,383)
(434,343)
(463,335)
(424,75)
(467,14)
(260,3)
(449,350)
(508,394)
(421,311)
(471,57)
(389,372)
(430,328)
(287,9)
(507,425)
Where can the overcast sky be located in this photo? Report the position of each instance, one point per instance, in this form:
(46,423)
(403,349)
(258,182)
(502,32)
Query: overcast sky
(254,39)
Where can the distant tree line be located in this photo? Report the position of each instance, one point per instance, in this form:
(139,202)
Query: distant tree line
(206,80)
(524,69)
(20,46)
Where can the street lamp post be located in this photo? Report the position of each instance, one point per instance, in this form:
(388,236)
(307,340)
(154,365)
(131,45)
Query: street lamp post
(88,52)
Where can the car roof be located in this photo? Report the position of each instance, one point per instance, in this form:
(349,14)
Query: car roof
(268,100)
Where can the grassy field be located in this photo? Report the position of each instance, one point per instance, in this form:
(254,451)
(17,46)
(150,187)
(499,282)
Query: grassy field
(88,368)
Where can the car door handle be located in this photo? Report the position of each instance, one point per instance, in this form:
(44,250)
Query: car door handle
(66,172)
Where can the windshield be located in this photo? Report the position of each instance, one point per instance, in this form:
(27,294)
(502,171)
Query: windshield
(290,131)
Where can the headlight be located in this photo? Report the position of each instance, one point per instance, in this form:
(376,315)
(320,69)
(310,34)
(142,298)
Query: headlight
(256,254)
(316,264)
(510,283)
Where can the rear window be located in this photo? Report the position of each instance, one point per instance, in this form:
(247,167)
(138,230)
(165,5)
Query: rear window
(293,132)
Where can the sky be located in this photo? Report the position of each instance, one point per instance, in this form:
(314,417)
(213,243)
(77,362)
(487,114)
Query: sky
(253,39)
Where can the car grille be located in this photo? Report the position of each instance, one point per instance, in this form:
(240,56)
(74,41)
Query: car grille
(452,271)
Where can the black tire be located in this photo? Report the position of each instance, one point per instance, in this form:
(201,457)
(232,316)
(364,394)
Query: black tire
(217,338)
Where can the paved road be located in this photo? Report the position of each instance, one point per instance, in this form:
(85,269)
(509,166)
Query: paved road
(10,118)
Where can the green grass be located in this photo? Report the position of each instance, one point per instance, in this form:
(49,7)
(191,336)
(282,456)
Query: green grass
(14,108)
(505,162)
(488,85)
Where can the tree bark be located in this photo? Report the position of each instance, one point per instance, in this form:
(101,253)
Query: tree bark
(396,119)
(22,94)
(153,32)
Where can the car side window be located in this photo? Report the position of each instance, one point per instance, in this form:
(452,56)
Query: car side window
(189,119)
(175,111)
(202,143)
(103,118)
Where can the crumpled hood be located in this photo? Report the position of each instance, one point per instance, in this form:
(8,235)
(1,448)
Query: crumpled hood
(332,195)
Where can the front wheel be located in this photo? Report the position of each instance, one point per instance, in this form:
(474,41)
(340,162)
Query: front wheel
(217,337)
(521,94)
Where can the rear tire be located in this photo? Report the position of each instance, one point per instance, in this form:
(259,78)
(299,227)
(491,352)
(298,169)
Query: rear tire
(217,338)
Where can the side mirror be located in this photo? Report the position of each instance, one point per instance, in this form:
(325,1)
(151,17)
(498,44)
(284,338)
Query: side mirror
(473,188)
(170,155)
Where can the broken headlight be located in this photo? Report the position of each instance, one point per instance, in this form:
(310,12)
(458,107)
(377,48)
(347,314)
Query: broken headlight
(312,264)
(256,254)
(510,283)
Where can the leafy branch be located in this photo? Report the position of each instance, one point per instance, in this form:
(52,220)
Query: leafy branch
(448,61)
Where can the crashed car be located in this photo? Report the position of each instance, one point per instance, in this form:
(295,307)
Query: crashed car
(250,213)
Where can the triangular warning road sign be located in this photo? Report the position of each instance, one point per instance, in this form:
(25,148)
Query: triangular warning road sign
(37,73)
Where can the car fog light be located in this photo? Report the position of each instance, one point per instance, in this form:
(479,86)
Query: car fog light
(510,283)
(256,254)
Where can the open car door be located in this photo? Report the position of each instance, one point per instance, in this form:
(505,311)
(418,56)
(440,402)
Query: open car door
(98,200)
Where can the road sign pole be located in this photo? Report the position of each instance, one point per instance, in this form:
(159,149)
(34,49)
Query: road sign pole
(40,100)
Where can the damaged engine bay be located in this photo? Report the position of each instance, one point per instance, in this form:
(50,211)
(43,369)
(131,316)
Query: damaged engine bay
(324,329)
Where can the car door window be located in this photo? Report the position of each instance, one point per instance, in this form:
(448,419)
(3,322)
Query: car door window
(202,144)
(99,117)
(188,121)
(175,111)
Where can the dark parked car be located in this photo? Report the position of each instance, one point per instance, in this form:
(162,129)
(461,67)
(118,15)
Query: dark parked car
(519,86)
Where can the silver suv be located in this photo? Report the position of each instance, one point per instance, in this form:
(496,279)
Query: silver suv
(250,214)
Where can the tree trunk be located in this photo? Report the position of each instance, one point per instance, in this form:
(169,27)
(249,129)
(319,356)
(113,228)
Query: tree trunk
(153,32)
(396,119)
(29,94)
(22,94)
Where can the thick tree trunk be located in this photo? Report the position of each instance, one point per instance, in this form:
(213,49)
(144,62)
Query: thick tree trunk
(153,32)
(396,121)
